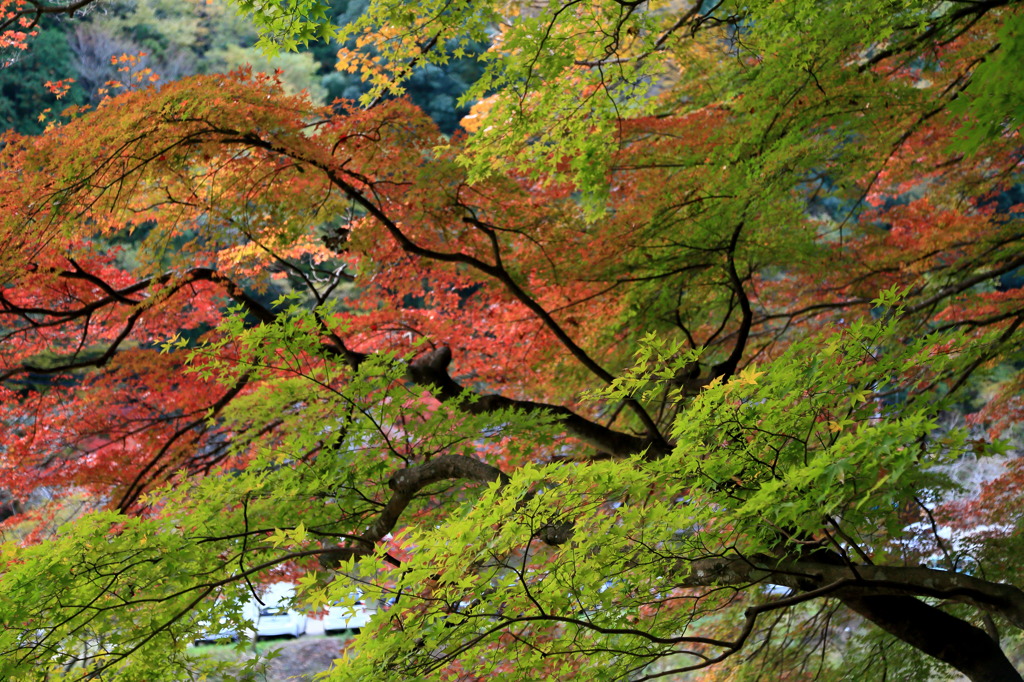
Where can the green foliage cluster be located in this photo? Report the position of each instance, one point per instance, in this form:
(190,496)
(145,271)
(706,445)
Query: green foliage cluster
(759,460)
(122,597)
(568,73)
(994,100)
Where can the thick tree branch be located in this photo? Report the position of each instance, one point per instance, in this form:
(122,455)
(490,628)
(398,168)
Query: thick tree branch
(887,596)
(727,367)
(930,629)
(860,579)
(431,369)
(405,484)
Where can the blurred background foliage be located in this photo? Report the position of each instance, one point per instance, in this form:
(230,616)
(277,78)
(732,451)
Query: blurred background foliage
(185,37)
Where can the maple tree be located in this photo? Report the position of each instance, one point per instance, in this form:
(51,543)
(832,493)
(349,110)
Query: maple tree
(608,384)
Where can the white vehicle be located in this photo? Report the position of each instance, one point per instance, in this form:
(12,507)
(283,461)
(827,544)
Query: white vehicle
(222,631)
(280,620)
(341,618)
(276,617)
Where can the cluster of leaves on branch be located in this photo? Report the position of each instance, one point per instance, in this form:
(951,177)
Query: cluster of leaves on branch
(607,385)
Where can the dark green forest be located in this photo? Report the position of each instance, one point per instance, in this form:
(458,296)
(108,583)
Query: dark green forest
(188,37)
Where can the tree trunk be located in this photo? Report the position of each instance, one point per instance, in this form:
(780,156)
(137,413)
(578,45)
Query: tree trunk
(951,640)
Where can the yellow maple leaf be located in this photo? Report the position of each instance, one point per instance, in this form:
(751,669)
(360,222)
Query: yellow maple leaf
(749,375)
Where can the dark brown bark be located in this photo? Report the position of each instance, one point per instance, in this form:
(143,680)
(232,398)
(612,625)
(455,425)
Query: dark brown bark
(931,630)
(857,580)
(431,369)
(887,596)
(405,484)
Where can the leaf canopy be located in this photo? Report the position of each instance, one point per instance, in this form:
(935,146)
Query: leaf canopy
(605,386)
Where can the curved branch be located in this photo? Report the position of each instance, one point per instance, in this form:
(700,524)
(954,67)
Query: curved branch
(930,629)
(406,483)
(121,297)
(890,581)
(431,369)
(728,367)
